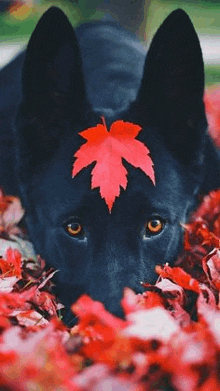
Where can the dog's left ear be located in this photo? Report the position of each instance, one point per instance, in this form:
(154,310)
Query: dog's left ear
(171,94)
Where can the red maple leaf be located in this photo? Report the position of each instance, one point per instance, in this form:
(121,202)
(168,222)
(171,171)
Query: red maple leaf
(108,148)
(11,266)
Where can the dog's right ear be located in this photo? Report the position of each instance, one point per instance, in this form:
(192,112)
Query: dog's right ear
(52,73)
(54,98)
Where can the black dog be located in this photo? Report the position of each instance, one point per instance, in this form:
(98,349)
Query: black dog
(71,81)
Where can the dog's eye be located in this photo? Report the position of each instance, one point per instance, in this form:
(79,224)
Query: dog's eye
(154,226)
(74,228)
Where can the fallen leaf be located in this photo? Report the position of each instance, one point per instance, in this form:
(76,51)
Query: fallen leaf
(107,148)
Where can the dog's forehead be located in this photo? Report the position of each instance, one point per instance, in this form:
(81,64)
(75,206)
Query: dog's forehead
(55,186)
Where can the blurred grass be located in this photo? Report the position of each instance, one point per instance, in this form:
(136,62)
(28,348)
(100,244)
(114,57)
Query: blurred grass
(205,16)
(20,27)
(212,75)
(14,27)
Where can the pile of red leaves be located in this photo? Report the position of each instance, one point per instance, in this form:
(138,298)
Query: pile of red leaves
(169,339)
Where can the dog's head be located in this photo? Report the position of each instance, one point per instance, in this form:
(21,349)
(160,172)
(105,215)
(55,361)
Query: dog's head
(95,251)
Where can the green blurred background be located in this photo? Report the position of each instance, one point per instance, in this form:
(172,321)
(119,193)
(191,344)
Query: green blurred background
(18,19)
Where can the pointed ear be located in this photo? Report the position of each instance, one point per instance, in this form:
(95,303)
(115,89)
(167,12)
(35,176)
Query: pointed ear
(52,73)
(54,98)
(171,94)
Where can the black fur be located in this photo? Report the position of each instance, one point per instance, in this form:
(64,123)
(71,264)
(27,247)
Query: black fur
(61,97)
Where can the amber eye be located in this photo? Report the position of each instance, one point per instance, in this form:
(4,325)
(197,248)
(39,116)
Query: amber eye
(154,226)
(73,228)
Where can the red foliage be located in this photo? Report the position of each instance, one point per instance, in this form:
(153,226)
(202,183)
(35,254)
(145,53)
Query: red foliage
(11,213)
(108,149)
(169,338)
(11,266)
(211,100)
